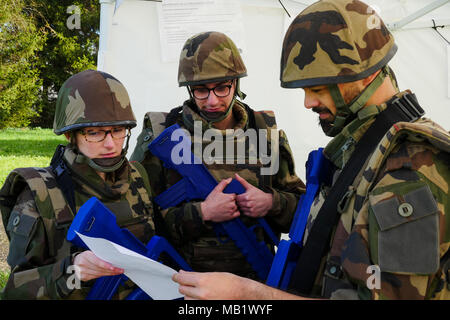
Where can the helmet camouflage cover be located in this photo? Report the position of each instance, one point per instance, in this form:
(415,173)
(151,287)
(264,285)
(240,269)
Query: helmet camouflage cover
(334,41)
(92,99)
(209,57)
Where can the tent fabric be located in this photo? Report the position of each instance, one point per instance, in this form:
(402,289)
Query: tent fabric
(130,49)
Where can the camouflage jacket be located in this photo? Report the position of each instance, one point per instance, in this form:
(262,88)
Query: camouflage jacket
(391,239)
(37,217)
(193,237)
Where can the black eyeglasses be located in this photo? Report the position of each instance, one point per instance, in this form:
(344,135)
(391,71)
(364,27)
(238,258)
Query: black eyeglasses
(221,91)
(99,135)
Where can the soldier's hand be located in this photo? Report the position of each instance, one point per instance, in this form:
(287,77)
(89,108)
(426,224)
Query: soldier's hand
(253,202)
(211,285)
(226,286)
(91,267)
(219,206)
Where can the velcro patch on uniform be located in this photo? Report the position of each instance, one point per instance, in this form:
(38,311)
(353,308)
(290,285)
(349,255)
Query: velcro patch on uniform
(19,228)
(20,224)
(408,239)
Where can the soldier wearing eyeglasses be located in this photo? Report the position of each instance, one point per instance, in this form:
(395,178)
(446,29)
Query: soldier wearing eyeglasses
(210,68)
(93,111)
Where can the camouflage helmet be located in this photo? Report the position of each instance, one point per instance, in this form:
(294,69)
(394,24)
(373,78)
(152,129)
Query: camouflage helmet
(92,99)
(334,41)
(209,57)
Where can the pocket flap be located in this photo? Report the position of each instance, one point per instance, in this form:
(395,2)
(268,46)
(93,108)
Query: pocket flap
(20,224)
(397,210)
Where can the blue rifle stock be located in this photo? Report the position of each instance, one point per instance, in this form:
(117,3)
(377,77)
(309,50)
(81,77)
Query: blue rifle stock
(317,172)
(95,220)
(196,184)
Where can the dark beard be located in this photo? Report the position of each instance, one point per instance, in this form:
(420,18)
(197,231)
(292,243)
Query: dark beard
(326,124)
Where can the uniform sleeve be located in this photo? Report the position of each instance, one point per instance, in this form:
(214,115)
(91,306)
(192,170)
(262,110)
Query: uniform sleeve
(398,248)
(286,188)
(182,222)
(34,274)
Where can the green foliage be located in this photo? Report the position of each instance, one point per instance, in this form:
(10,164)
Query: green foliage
(19,79)
(66,51)
(39,49)
(3,279)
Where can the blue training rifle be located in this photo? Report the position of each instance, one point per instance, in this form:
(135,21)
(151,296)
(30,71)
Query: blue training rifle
(196,184)
(95,220)
(288,251)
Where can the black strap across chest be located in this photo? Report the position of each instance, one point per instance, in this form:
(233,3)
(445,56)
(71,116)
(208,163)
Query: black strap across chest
(62,177)
(405,109)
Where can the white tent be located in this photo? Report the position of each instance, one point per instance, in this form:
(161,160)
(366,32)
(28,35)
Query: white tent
(139,39)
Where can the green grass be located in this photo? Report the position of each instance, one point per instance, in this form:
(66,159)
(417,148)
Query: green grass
(3,278)
(26,148)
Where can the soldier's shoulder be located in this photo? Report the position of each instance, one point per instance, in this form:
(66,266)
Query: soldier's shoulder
(153,124)
(19,178)
(23,189)
(424,129)
(419,157)
(265,119)
(155,119)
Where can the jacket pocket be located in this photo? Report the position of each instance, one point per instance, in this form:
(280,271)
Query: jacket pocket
(19,229)
(408,232)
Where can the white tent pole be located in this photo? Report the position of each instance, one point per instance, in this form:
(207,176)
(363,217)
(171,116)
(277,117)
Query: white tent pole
(106,13)
(421,24)
(432,6)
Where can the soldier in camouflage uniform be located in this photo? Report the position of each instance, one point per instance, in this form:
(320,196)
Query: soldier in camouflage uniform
(395,215)
(93,111)
(210,67)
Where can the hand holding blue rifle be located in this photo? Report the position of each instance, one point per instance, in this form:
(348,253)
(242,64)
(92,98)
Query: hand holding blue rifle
(196,184)
(317,173)
(95,220)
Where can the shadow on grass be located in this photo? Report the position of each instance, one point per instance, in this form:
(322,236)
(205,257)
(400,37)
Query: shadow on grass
(22,147)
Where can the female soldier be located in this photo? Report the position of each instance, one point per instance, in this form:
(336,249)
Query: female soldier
(93,111)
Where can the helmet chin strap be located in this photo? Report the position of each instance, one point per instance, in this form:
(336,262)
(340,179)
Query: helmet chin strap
(106,166)
(212,120)
(346,112)
(239,93)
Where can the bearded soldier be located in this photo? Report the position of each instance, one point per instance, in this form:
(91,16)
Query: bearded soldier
(380,231)
(211,67)
(93,111)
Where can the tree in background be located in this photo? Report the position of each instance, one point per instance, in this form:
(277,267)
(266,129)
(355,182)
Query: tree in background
(70,47)
(42,43)
(20,39)
(71,30)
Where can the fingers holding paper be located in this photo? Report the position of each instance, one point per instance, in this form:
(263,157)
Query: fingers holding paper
(91,267)
(210,285)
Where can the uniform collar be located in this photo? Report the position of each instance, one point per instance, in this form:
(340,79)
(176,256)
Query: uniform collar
(190,115)
(117,182)
(341,147)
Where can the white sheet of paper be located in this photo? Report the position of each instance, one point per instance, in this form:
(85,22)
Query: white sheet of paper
(151,276)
